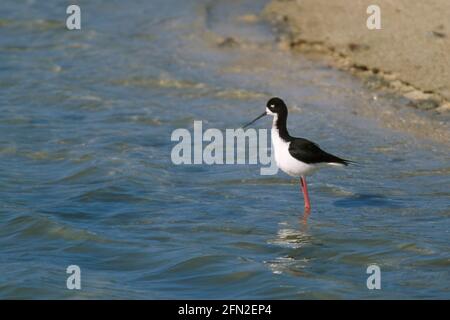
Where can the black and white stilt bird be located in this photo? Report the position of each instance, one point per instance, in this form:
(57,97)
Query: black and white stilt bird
(298,157)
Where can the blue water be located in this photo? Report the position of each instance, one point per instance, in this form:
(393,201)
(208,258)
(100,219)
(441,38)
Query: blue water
(87,179)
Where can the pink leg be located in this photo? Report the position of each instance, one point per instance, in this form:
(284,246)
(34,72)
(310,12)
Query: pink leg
(305,193)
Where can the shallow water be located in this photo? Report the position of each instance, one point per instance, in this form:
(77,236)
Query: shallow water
(87,178)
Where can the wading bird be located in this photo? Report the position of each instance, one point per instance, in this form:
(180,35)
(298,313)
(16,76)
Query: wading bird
(298,157)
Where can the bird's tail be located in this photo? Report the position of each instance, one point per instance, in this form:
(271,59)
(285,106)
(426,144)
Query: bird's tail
(336,161)
(346,162)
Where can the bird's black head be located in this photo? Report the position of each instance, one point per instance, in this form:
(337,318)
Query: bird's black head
(276,106)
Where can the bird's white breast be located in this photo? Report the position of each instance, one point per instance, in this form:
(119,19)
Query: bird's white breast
(285,161)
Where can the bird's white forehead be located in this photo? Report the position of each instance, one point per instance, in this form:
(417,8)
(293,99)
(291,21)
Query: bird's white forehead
(268,111)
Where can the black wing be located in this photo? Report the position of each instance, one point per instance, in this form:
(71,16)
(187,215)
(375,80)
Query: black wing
(309,152)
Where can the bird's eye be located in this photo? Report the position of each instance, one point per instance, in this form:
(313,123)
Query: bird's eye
(272,106)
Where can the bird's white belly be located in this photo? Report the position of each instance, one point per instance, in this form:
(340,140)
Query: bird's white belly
(285,161)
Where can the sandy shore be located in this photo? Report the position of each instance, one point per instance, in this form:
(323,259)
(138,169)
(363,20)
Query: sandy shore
(410,54)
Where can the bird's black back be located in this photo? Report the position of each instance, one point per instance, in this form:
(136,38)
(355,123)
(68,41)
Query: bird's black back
(309,152)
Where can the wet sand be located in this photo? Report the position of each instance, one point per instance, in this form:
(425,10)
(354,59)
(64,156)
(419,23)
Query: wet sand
(410,55)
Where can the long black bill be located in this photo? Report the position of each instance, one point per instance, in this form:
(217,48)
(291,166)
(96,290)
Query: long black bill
(253,121)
